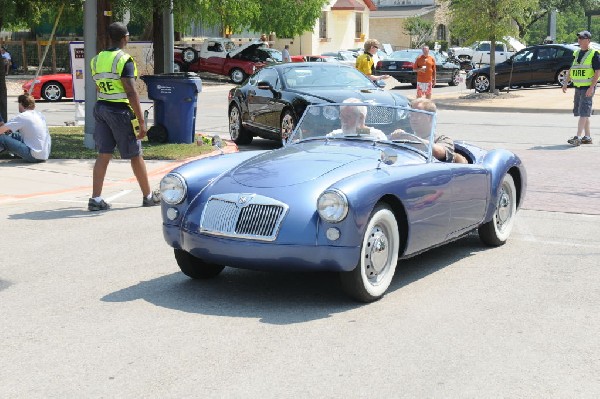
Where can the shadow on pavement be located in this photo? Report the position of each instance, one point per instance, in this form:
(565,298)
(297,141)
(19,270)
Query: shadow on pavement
(62,213)
(279,298)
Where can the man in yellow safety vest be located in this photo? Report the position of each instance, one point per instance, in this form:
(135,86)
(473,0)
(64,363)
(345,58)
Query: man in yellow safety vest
(118,116)
(584,74)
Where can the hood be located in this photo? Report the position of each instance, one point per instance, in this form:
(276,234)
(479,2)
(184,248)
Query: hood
(304,162)
(514,43)
(338,95)
(237,50)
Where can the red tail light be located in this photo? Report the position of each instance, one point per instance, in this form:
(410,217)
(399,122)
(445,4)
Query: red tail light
(378,66)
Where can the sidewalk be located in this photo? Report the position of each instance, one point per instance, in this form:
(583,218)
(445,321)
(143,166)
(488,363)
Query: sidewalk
(57,177)
(539,99)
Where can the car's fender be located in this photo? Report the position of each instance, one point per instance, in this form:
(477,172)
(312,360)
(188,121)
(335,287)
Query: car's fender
(500,162)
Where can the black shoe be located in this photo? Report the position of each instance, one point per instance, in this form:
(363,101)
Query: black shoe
(153,200)
(574,141)
(94,205)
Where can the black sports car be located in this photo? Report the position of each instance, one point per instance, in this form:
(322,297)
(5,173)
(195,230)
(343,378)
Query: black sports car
(399,65)
(541,64)
(270,102)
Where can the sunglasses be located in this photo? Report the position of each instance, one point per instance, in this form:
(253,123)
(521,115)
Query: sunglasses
(376,47)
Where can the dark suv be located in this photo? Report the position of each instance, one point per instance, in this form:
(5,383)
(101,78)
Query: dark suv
(541,64)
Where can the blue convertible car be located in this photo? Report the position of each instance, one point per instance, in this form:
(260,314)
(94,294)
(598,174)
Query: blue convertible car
(354,189)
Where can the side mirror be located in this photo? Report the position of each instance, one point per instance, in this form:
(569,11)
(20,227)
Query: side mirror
(380,83)
(264,85)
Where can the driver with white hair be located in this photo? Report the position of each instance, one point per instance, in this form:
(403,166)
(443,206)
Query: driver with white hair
(352,118)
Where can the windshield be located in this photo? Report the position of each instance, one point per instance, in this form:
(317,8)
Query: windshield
(353,120)
(329,76)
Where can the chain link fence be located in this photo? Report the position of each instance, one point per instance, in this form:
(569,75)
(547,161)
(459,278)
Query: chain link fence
(26,56)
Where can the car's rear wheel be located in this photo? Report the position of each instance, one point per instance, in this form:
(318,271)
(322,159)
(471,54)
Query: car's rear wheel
(195,267)
(237,76)
(455,79)
(481,83)
(53,91)
(288,122)
(496,231)
(561,76)
(237,132)
(378,258)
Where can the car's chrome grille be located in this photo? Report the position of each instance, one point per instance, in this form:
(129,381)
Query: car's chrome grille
(243,216)
(380,115)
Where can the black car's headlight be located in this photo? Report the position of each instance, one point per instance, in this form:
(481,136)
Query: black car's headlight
(332,206)
(173,189)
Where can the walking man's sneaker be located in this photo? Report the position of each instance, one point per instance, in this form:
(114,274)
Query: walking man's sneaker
(586,140)
(153,200)
(94,205)
(574,141)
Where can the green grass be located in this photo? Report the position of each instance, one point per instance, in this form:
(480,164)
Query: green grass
(67,143)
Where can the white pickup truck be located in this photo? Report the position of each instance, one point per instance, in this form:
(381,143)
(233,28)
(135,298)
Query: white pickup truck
(479,52)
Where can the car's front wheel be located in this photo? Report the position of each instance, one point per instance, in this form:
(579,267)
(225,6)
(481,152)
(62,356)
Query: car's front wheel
(195,267)
(495,232)
(237,132)
(561,76)
(455,79)
(482,83)
(189,55)
(237,76)
(378,258)
(53,91)
(288,122)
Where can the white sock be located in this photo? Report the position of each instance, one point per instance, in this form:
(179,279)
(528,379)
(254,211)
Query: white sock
(97,199)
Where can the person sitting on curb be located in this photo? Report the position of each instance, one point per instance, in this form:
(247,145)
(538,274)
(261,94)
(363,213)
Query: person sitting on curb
(26,135)
(443,147)
(352,118)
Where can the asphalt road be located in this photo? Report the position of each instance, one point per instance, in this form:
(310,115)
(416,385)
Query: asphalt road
(93,305)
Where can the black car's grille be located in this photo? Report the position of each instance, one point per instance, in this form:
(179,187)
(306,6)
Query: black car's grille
(380,115)
(243,216)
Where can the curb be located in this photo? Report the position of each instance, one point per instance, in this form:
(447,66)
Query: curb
(441,104)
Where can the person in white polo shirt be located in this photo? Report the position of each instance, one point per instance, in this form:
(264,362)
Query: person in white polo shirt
(26,135)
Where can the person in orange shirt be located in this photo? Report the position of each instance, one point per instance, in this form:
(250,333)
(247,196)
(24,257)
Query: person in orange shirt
(425,68)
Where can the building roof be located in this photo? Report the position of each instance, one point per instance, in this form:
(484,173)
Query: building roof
(353,5)
(402,11)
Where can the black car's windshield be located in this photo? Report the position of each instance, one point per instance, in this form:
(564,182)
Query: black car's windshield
(354,120)
(324,76)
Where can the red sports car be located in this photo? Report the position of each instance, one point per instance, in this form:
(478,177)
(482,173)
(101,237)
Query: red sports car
(51,87)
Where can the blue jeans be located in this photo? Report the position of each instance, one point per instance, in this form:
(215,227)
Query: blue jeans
(13,142)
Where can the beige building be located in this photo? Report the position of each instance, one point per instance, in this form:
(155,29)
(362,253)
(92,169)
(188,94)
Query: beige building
(344,24)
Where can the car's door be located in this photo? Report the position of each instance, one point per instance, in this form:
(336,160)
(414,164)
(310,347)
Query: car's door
(470,192)
(261,105)
(517,70)
(544,65)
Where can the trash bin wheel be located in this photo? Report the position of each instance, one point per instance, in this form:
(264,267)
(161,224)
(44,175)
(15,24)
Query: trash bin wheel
(157,134)
(238,133)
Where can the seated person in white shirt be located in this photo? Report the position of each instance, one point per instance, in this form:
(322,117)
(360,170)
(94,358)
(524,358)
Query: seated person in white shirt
(26,135)
(353,119)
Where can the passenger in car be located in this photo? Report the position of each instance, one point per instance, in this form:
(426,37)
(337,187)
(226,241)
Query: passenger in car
(352,118)
(443,146)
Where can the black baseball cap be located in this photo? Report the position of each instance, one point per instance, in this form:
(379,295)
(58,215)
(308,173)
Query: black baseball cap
(117,31)
(584,35)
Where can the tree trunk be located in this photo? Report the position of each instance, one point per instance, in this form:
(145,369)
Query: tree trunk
(159,45)
(493,65)
(103,20)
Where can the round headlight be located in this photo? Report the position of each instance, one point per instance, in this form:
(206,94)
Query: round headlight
(173,189)
(316,111)
(332,206)
(331,112)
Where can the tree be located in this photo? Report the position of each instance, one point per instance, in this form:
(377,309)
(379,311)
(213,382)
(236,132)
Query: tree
(539,11)
(419,29)
(494,20)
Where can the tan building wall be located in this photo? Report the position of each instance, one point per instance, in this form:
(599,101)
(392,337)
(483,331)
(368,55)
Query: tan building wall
(390,30)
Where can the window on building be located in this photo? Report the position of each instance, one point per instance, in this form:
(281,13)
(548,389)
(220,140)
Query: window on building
(358,24)
(323,25)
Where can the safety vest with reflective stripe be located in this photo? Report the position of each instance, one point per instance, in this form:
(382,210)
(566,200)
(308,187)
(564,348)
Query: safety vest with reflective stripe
(107,67)
(581,74)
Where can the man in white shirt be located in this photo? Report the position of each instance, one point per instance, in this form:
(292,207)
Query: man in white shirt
(26,135)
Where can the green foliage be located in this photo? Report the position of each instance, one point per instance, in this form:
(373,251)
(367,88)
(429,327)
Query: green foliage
(419,29)
(287,18)
(568,23)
